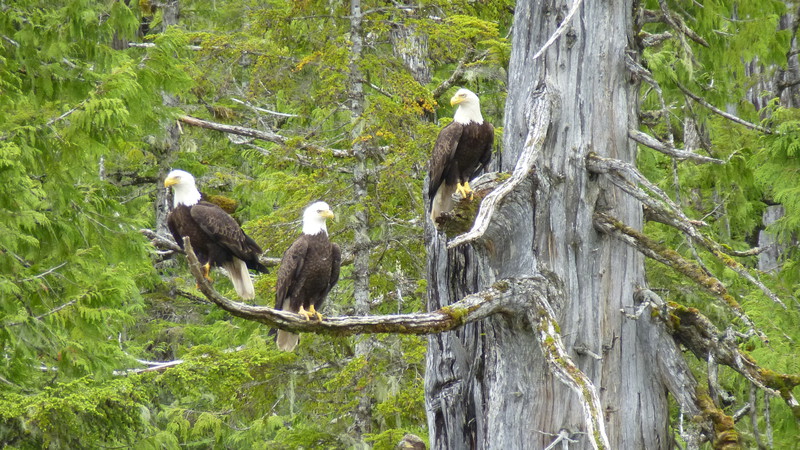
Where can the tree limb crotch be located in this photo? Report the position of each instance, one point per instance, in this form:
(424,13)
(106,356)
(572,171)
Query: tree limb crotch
(506,296)
(540,107)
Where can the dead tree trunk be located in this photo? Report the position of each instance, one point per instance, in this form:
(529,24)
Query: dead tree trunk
(488,384)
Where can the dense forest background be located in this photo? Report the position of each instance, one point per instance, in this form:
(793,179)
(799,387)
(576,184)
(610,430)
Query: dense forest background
(270,104)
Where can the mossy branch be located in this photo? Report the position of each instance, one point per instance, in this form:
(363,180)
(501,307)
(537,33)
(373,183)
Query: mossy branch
(652,249)
(507,296)
(704,339)
(627,178)
(555,353)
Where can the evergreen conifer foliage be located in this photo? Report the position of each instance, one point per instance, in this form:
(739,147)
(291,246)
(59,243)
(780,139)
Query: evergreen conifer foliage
(106,342)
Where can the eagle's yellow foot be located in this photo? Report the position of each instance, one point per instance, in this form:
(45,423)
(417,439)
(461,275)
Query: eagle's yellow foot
(303,313)
(465,190)
(313,312)
(206,270)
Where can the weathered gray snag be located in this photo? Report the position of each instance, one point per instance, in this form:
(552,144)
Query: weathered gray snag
(488,384)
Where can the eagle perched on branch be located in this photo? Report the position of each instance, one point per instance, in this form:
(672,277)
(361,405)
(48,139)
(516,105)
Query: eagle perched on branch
(309,270)
(216,237)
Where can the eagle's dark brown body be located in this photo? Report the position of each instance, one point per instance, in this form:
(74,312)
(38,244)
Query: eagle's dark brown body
(460,152)
(215,235)
(309,270)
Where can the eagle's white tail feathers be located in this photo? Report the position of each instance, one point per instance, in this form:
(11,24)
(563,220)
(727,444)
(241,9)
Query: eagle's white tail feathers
(442,202)
(240,277)
(287,340)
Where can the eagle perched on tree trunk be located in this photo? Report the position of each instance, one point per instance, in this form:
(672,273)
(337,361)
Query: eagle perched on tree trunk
(463,148)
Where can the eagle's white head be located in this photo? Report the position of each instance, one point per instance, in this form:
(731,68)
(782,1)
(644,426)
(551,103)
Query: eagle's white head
(183,187)
(469,107)
(314,218)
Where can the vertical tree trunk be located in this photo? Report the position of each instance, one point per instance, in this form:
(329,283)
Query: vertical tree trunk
(774,80)
(166,145)
(487,385)
(363,417)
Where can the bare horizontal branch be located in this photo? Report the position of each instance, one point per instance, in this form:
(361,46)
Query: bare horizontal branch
(168,243)
(268,136)
(507,296)
(264,110)
(722,113)
(153,45)
(649,141)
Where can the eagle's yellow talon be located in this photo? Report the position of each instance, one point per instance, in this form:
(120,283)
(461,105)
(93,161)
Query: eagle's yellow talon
(313,312)
(303,313)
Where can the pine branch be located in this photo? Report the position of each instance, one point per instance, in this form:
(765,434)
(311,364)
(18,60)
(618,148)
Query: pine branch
(268,136)
(507,296)
(42,316)
(540,104)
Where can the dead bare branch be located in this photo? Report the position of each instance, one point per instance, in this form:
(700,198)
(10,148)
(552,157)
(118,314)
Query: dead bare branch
(720,112)
(649,141)
(507,296)
(621,173)
(615,228)
(167,243)
(268,136)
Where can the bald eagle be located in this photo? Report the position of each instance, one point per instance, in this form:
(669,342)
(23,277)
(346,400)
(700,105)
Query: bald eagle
(215,236)
(309,270)
(463,148)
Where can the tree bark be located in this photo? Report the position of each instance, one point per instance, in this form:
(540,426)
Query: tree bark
(487,384)
(363,413)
